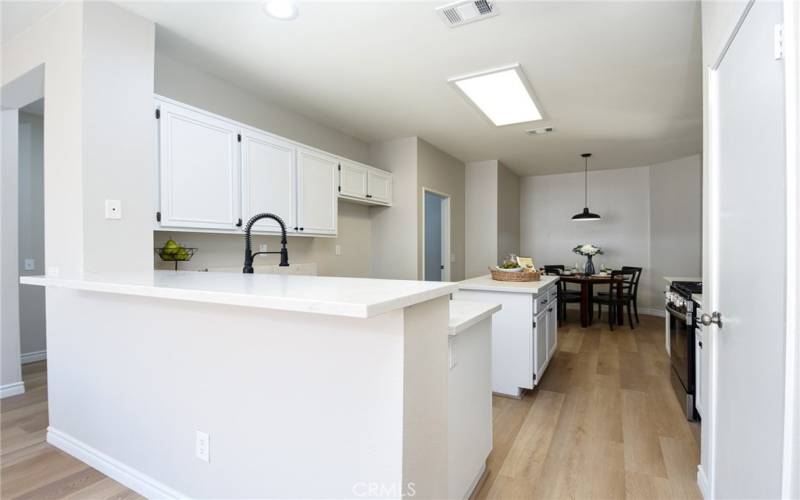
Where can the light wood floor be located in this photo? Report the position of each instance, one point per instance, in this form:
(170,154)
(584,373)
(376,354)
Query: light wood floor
(604,423)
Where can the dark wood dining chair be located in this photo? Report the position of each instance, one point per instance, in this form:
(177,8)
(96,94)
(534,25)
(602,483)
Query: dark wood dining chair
(611,298)
(635,288)
(565,295)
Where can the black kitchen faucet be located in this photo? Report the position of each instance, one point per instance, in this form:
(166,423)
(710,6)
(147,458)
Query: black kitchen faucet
(248,251)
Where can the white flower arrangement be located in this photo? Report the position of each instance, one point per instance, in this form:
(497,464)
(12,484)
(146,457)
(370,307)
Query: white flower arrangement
(587,250)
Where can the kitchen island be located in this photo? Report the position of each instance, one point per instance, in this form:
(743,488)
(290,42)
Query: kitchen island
(524,332)
(251,386)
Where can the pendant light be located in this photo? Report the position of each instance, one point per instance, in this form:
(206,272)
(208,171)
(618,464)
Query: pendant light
(586,215)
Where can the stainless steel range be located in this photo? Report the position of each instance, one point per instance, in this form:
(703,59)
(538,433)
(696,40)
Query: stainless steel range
(680,314)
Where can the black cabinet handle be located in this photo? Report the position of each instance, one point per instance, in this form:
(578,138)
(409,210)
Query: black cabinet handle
(296,228)
(302,228)
(239,223)
(369,196)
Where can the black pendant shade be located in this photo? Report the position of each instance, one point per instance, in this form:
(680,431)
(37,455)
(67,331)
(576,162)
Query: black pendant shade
(586,215)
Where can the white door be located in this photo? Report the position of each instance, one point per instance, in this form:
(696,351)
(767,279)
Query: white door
(747,231)
(379,185)
(353,180)
(317,201)
(268,180)
(198,168)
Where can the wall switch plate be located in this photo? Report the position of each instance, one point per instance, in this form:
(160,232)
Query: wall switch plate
(53,271)
(113,209)
(452,257)
(30,264)
(338,249)
(262,247)
(201,446)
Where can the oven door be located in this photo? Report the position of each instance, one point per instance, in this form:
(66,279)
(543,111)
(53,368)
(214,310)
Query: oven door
(681,341)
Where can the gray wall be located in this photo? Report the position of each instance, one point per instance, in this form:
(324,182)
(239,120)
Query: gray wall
(394,229)
(481,217)
(185,83)
(31,231)
(445,174)
(507,212)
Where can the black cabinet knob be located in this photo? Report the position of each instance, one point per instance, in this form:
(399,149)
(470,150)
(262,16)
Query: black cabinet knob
(302,229)
(296,228)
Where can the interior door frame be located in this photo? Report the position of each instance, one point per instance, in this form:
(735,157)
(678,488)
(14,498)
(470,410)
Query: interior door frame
(791,433)
(446,200)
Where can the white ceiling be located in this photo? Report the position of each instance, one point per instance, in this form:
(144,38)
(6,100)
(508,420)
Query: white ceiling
(621,80)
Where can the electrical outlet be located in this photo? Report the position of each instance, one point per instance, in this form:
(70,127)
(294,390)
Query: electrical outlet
(201,446)
(53,271)
(113,209)
(262,247)
(338,249)
(30,264)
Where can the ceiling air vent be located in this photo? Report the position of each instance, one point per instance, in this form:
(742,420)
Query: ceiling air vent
(540,131)
(463,12)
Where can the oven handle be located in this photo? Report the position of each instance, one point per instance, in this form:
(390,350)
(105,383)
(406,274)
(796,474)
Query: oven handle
(677,314)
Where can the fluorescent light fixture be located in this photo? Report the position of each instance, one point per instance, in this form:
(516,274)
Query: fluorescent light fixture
(502,94)
(281,9)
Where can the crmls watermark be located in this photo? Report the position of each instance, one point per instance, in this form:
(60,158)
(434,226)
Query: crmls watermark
(377,489)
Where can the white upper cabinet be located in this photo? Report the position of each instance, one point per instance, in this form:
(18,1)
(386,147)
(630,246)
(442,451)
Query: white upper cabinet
(199,168)
(379,186)
(268,180)
(353,180)
(317,200)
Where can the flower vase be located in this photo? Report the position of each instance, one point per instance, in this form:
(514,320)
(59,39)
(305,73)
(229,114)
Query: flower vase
(589,268)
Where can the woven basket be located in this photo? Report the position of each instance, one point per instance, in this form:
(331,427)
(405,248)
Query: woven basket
(521,276)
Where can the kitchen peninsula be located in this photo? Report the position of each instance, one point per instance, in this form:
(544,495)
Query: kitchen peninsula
(251,386)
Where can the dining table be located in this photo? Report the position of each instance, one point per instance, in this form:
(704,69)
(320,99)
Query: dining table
(587,283)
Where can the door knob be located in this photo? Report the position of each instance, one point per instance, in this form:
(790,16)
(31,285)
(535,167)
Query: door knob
(715,318)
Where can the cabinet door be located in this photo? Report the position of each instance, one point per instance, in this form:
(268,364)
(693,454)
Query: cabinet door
(268,180)
(379,186)
(317,201)
(540,344)
(353,180)
(198,170)
(552,328)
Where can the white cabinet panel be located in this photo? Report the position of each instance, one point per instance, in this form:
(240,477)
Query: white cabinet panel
(316,190)
(353,180)
(198,156)
(552,326)
(540,351)
(268,180)
(379,186)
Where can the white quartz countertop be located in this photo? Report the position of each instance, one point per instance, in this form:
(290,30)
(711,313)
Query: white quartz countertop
(465,313)
(352,297)
(486,283)
(670,279)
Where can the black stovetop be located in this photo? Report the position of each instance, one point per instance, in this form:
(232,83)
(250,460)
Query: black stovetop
(687,288)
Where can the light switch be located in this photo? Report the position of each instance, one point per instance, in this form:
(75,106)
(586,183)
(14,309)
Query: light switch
(30,264)
(452,257)
(113,209)
(338,249)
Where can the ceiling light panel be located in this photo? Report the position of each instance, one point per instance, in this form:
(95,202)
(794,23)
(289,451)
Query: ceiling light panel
(501,94)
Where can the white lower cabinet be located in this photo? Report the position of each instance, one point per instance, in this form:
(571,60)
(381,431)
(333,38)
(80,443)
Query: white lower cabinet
(524,331)
(268,180)
(198,156)
(317,202)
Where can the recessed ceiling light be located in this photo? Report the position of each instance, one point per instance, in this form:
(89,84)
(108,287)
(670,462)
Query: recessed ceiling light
(501,94)
(281,9)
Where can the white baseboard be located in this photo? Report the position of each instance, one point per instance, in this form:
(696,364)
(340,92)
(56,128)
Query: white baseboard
(476,482)
(116,470)
(33,357)
(702,481)
(8,390)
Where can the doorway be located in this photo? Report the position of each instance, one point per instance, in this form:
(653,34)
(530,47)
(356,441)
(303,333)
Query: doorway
(435,235)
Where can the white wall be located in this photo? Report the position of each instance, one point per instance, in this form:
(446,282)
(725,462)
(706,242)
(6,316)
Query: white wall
(621,197)
(394,229)
(651,218)
(227,250)
(441,172)
(31,231)
(481,217)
